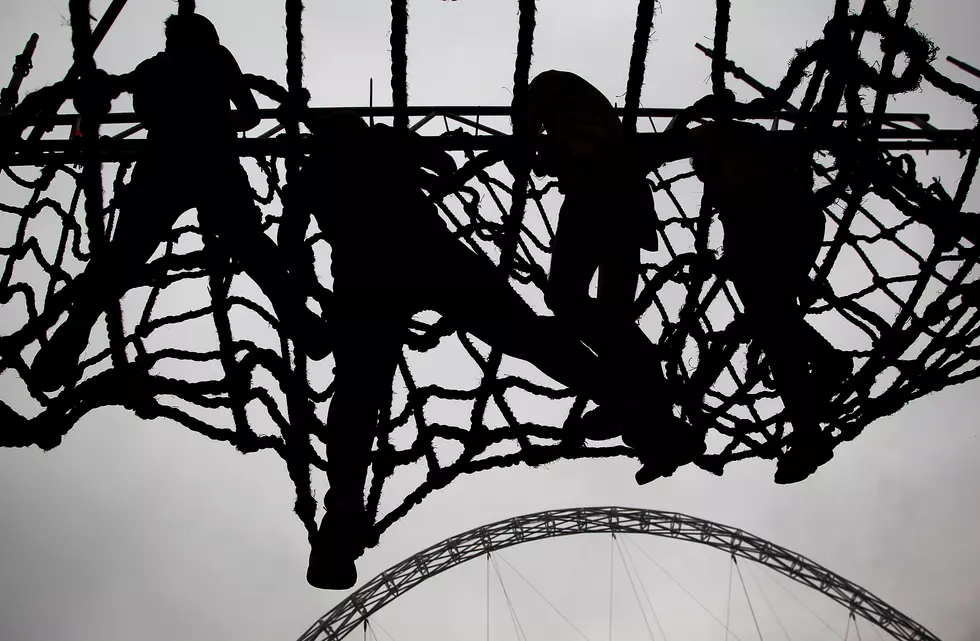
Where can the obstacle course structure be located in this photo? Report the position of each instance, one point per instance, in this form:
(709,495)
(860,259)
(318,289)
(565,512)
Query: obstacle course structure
(896,277)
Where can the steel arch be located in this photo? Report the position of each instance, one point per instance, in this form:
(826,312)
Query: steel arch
(392,583)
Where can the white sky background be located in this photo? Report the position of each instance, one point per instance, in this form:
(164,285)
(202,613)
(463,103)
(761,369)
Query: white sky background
(146,531)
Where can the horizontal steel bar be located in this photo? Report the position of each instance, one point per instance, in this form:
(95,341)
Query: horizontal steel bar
(127,118)
(69,152)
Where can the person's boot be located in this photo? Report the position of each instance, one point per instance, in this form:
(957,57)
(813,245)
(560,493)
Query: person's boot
(662,441)
(338,543)
(806,453)
(664,448)
(712,463)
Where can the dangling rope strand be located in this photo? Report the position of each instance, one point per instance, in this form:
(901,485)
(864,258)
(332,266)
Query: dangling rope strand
(81,34)
(723,18)
(841,8)
(301,409)
(92,107)
(522,74)
(399,62)
(513,221)
(638,63)
(888,65)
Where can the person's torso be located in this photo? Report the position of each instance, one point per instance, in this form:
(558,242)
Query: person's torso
(747,171)
(186,100)
(374,212)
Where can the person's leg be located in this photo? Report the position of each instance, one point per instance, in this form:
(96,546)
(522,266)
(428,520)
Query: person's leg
(366,356)
(779,326)
(473,294)
(583,246)
(662,441)
(618,336)
(599,232)
(573,258)
(481,303)
(148,211)
(829,366)
(228,213)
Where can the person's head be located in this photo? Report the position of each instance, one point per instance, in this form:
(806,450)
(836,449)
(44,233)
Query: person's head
(190,31)
(548,93)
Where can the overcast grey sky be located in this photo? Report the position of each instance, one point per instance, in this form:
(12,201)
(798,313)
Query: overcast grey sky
(144,531)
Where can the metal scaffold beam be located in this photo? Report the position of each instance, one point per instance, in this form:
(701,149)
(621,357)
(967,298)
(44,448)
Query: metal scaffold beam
(123,147)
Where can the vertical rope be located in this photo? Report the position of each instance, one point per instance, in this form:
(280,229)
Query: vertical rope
(399,61)
(837,80)
(81,40)
(522,168)
(887,65)
(294,51)
(638,63)
(301,411)
(841,8)
(185,7)
(512,223)
(522,73)
(91,110)
(723,18)
(81,34)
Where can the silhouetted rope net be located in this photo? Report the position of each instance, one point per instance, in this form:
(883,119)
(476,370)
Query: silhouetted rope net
(896,285)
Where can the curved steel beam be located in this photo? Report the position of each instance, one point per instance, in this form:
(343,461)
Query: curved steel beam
(392,583)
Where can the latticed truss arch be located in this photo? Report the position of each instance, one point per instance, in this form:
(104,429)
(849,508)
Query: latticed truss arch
(399,579)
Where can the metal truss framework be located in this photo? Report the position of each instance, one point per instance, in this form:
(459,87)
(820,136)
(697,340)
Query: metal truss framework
(906,132)
(399,579)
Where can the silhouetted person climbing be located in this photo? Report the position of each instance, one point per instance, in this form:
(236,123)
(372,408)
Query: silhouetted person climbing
(607,217)
(773,228)
(392,256)
(183,97)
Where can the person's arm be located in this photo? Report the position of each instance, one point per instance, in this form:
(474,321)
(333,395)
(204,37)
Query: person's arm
(665,147)
(431,157)
(467,172)
(532,125)
(247,115)
(139,83)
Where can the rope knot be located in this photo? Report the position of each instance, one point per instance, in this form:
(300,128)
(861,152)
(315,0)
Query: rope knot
(93,98)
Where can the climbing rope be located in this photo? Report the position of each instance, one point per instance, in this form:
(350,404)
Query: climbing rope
(914,322)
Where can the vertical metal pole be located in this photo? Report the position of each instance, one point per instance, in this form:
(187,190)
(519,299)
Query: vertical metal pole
(23,64)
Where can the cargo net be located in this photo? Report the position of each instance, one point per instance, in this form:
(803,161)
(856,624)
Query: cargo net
(895,288)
